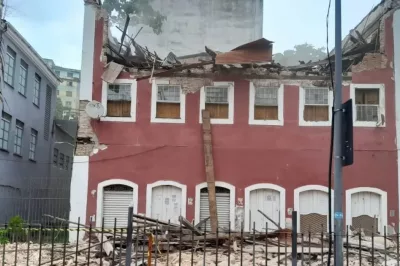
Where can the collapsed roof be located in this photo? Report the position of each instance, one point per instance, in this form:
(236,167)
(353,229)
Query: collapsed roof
(254,58)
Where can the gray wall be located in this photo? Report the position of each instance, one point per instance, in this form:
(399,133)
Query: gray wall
(220,24)
(19,176)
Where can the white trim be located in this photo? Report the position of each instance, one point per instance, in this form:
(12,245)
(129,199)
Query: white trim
(396,60)
(17,39)
(232,195)
(297,192)
(154,93)
(132,118)
(252,121)
(149,194)
(301,108)
(100,192)
(231,100)
(282,201)
(383,194)
(381,88)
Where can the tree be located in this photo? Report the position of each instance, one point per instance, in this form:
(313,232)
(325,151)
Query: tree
(59,109)
(140,11)
(302,52)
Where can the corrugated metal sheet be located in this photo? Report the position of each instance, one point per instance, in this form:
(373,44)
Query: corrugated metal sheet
(259,51)
(115,205)
(223,209)
(166,203)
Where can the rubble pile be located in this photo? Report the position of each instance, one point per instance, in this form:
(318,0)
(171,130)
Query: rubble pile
(165,244)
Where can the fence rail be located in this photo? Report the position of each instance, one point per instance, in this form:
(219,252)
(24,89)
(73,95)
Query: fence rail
(152,242)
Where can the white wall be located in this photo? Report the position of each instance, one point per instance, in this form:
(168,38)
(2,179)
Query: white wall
(396,33)
(79,194)
(87,52)
(220,24)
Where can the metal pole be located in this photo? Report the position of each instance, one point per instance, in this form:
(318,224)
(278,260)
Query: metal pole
(129,238)
(294,238)
(338,183)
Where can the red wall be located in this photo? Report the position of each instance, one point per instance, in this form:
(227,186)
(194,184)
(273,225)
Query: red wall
(289,156)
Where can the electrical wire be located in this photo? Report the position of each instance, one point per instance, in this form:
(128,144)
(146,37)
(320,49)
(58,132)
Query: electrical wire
(331,142)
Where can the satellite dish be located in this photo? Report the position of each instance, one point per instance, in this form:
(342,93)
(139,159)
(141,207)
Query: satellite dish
(95,109)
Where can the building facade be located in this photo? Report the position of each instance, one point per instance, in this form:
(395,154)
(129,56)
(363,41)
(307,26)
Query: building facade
(270,138)
(26,129)
(67,91)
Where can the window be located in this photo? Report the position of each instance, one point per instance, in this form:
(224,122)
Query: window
(36,90)
(4,130)
(70,83)
(47,114)
(66,162)
(23,77)
(58,93)
(55,156)
(61,162)
(9,68)
(167,102)
(69,94)
(57,73)
(218,100)
(266,105)
(68,103)
(19,132)
(119,100)
(32,145)
(70,74)
(315,106)
(369,104)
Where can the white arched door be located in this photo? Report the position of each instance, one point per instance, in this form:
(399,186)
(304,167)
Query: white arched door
(166,203)
(366,211)
(268,201)
(313,210)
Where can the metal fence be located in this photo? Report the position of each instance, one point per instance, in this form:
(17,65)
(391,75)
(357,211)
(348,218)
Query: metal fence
(32,197)
(152,242)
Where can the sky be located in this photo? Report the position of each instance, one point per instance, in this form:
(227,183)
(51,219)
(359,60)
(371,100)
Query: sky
(55,28)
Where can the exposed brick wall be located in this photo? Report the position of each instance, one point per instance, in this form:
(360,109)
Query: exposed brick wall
(86,136)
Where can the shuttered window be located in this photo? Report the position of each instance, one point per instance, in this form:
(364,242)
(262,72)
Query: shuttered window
(119,100)
(367,104)
(316,104)
(168,101)
(47,114)
(217,102)
(266,104)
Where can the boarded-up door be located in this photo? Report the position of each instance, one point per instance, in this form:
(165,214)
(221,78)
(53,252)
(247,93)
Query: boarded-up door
(223,198)
(267,201)
(116,201)
(166,203)
(366,211)
(313,210)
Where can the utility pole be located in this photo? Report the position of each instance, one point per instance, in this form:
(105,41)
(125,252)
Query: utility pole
(338,159)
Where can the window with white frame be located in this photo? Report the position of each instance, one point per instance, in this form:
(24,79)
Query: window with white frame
(168,104)
(32,144)
(367,104)
(19,132)
(9,68)
(68,93)
(217,101)
(4,130)
(266,104)
(36,90)
(119,100)
(316,104)
(23,74)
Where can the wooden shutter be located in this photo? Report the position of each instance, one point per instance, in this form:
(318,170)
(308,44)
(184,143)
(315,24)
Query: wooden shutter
(168,110)
(218,110)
